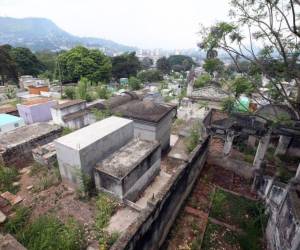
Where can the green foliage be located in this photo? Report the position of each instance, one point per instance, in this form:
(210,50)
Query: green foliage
(106,206)
(47,232)
(106,240)
(215,236)
(202,80)
(193,139)
(125,65)
(103,92)
(27,62)
(146,63)
(151,75)
(213,65)
(66,131)
(241,85)
(81,62)
(18,221)
(49,59)
(101,114)
(134,83)
(86,187)
(48,179)
(70,93)
(8,175)
(246,214)
(163,65)
(10,92)
(82,90)
(228,104)
(180,63)
(8,67)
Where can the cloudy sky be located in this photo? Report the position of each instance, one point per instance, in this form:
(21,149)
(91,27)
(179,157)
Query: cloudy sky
(168,24)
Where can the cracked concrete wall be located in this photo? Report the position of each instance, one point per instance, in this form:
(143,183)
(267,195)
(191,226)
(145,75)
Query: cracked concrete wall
(155,221)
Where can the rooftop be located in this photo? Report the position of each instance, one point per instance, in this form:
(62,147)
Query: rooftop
(7,109)
(123,161)
(92,133)
(26,133)
(68,104)
(143,110)
(35,101)
(6,119)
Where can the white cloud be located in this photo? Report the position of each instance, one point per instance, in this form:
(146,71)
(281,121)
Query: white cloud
(142,23)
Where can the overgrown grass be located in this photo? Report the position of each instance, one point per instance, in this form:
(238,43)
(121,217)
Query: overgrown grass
(193,138)
(15,223)
(46,177)
(8,175)
(47,232)
(246,214)
(216,236)
(106,207)
(66,131)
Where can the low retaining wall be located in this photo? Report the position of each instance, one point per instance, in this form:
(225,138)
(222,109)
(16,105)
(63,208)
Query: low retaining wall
(155,221)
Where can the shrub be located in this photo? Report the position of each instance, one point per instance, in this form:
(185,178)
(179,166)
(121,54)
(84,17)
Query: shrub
(193,139)
(103,92)
(101,114)
(202,80)
(10,92)
(134,83)
(228,105)
(7,177)
(70,93)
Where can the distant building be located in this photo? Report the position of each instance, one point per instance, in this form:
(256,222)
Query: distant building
(10,122)
(36,110)
(72,114)
(37,90)
(26,81)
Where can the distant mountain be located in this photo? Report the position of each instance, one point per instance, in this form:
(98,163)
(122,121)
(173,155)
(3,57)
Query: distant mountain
(42,34)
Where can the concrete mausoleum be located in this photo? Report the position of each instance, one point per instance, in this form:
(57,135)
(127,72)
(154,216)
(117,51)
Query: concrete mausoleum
(36,110)
(71,114)
(80,151)
(152,121)
(129,170)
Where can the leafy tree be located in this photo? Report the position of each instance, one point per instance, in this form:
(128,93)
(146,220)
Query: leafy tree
(8,68)
(49,59)
(146,63)
(202,80)
(271,23)
(27,62)
(180,62)
(213,65)
(163,65)
(241,85)
(151,75)
(125,65)
(134,83)
(80,62)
